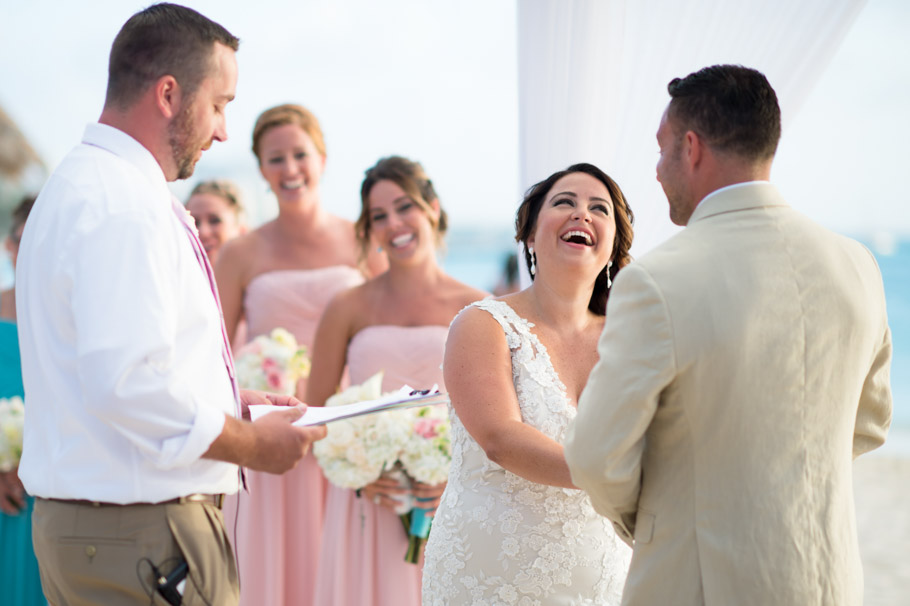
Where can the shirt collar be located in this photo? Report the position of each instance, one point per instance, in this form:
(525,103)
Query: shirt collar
(739,196)
(124,146)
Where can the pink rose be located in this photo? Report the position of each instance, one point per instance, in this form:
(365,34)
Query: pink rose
(426,428)
(274,379)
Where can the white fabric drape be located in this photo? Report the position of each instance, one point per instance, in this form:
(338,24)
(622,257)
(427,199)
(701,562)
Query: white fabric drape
(593,78)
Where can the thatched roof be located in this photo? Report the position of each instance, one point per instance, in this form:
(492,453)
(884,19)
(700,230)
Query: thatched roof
(15,152)
(21,170)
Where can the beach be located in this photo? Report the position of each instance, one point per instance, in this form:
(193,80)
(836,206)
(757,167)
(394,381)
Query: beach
(881,482)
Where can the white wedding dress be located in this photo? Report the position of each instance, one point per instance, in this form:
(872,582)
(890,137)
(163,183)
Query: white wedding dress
(500,539)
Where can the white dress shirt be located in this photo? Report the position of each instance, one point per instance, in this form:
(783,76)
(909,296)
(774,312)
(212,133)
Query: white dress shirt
(120,336)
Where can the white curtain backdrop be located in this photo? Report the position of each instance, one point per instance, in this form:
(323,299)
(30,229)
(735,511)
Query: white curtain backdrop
(593,78)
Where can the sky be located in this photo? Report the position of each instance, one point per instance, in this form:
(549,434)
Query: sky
(437,81)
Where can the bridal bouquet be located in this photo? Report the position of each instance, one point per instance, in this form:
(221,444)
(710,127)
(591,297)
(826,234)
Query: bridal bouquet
(426,458)
(272,363)
(428,452)
(409,445)
(12,420)
(356,451)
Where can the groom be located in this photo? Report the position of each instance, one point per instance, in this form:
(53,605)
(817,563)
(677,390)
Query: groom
(743,365)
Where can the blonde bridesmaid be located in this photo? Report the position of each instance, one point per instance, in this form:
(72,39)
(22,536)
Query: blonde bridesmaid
(282,275)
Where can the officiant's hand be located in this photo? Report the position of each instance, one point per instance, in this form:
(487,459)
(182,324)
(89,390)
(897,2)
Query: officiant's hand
(252,397)
(428,495)
(272,444)
(281,445)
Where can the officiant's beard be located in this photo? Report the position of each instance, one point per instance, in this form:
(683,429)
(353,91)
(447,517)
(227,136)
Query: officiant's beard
(184,146)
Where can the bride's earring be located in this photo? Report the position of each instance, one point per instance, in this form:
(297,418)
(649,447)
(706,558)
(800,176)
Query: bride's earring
(533,267)
(609,281)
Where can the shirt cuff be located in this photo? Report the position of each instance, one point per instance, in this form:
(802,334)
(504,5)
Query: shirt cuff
(188,448)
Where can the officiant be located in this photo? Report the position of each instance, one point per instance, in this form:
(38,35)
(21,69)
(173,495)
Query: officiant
(133,434)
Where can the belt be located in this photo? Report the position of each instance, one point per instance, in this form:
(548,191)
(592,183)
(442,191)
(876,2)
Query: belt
(213,499)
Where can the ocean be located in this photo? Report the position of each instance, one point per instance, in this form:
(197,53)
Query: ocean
(477,257)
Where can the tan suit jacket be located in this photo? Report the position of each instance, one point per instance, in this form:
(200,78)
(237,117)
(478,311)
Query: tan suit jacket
(744,363)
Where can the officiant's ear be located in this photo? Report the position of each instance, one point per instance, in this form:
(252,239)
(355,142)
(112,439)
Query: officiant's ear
(168,95)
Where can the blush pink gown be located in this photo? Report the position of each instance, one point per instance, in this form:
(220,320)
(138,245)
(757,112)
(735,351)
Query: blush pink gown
(276,526)
(364,545)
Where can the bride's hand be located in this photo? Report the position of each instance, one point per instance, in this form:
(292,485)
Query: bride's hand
(385,491)
(428,495)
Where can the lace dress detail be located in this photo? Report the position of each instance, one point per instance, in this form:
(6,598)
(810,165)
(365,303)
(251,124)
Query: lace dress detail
(500,539)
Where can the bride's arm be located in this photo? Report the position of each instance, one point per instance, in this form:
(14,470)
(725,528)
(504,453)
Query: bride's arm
(478,376)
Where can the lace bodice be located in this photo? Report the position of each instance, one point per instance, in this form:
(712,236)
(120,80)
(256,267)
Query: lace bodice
(501,539)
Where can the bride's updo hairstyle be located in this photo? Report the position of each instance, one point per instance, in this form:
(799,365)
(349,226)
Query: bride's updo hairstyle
(526,223)
(413,180)
(287,114)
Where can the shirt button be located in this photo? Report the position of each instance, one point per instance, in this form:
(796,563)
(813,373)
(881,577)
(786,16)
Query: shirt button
(90,551)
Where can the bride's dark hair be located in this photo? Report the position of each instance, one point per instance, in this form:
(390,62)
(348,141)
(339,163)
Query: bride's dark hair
(526,222)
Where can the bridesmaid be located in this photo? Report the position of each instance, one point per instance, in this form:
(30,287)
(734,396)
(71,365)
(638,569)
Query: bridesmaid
(20,581)
(396,322)
(218,213)
(282,275)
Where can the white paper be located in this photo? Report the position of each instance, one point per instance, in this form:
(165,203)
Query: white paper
(320,415)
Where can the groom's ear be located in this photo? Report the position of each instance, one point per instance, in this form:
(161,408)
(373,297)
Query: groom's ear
(693,150)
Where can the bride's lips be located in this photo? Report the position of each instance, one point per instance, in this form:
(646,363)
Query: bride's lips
(578,236)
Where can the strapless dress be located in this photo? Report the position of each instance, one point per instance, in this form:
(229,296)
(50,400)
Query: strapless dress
(277,525)
(363,546)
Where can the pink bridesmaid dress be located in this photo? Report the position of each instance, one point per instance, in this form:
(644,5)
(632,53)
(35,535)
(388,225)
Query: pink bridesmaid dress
(363,544)
(276,526)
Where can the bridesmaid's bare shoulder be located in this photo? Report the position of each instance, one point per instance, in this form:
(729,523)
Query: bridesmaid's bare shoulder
(241,255)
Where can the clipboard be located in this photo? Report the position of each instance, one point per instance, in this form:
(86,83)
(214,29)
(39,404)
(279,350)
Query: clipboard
(406,397)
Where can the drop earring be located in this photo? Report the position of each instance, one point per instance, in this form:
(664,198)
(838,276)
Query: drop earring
(533,267)
(609,281)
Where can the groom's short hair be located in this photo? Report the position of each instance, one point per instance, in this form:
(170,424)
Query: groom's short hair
(733,108)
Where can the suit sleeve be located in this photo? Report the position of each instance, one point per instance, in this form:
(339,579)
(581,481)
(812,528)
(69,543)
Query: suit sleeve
(873,416)
(605,443)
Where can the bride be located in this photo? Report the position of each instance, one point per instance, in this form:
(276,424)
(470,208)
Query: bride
(511,527)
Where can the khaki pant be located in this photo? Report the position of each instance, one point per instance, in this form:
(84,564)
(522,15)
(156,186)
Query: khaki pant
(103,555)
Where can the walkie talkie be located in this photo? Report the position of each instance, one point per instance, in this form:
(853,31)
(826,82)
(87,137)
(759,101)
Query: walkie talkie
(170,587)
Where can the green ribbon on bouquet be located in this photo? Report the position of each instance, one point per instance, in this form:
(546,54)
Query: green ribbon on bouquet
(415,542)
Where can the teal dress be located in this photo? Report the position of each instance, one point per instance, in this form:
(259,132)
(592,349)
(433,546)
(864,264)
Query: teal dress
(20,583)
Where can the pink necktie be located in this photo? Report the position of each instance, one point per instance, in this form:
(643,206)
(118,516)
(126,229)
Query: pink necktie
(203,260)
